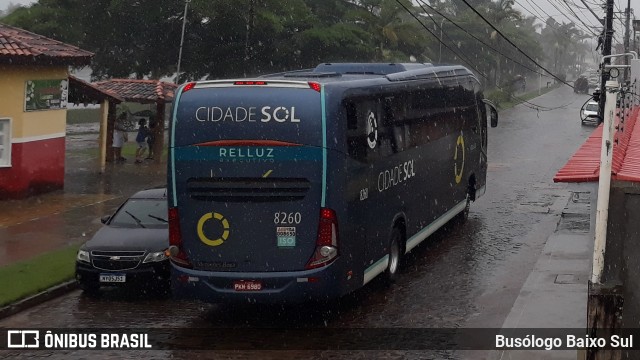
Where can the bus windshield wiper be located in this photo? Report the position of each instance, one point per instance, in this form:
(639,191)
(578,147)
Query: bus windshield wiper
(136,219)
(157,218)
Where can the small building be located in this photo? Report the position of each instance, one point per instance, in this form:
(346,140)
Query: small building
(34,86)
(614,302)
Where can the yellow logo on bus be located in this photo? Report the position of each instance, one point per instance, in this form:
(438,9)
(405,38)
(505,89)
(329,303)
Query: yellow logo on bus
(459,144)
(225,229)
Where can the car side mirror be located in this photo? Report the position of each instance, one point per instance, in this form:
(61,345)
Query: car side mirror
(105,219)
(492,113)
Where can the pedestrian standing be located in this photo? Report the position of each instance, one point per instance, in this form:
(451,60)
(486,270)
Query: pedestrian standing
(151,138)
(141,140)
(119,138)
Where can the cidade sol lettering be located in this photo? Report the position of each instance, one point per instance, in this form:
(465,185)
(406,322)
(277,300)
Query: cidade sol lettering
(396,176)
(279,114)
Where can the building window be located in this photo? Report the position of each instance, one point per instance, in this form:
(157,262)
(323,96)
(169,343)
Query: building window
(5,142)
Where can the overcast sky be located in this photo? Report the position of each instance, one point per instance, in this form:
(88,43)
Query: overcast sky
(528,7)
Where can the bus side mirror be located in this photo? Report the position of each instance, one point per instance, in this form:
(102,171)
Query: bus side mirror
(492,113)
(493,116)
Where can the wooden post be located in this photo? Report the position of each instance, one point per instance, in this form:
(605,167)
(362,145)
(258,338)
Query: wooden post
(158,145)
(111,120)
(104,121)
(604,318)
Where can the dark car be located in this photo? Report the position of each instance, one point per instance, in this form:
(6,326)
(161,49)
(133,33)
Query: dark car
(130,248)
(581,85)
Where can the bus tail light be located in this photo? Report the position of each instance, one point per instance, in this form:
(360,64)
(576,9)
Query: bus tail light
(315,86)
(327,242)
(188,87)
(250,83)
(176,250)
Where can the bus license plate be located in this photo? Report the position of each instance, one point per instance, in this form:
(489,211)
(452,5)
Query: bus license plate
(113,278)
(244,285)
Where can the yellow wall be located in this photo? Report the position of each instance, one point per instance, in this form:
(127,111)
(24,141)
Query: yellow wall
(12,94)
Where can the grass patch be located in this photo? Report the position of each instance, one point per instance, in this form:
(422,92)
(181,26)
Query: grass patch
(83,116)
(87,116)
(128,151)
(29,277)
(525,97)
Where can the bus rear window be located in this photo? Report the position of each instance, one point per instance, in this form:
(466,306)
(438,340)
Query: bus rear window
(257,113)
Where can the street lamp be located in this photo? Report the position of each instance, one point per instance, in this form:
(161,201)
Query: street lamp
(184,24)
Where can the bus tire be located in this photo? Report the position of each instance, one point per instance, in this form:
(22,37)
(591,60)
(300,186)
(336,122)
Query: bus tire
(396,246)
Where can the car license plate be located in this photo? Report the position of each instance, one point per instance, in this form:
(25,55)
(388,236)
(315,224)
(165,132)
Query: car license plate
(113,278)
(247,285)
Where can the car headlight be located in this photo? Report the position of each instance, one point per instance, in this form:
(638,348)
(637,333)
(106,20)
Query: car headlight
(83,256)
(155,257)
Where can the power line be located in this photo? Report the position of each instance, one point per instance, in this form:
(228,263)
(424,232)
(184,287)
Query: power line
(524,102)
(580,8)
(421,3)
(587,27)
(469,63)
(514,45)
(559,32)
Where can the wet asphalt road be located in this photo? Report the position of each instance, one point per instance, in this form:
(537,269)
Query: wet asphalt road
(466,275)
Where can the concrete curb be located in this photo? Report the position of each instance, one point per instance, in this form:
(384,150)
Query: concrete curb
(38,298)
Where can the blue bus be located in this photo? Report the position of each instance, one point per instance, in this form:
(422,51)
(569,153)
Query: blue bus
(306,185)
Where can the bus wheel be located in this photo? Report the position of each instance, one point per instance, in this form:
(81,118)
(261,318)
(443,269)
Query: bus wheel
(395,255)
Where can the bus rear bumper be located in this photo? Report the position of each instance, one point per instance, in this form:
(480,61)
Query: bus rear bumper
(276,287)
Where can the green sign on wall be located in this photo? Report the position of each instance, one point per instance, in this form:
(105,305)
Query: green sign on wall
(46,94)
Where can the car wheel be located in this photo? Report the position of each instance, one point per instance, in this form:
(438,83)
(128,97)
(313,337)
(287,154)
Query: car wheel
(395,255)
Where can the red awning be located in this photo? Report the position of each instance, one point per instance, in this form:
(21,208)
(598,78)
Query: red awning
(584,165)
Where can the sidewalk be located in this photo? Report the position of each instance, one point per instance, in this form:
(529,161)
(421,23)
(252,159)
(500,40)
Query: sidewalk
(47,222)
(555,293)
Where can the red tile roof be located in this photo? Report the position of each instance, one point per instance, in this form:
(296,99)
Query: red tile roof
(81,91)
(584,165)
(141,91)
(24,47)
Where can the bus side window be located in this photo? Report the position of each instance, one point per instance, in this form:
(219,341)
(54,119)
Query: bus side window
(394,116)
(352,116)
(356,140)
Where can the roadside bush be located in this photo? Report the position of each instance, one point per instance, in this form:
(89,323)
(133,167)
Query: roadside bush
(499,96)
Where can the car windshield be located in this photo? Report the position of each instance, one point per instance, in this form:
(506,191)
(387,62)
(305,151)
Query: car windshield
(144,213)
(591,107)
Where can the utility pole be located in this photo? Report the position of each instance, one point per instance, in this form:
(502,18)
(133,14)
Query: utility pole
(184,24)
(606,51)
(627,34)
(440,56)
(249,36)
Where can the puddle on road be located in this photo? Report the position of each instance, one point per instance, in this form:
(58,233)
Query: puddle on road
(19,211)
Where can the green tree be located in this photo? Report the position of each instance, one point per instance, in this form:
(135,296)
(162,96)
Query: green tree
(49,18)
